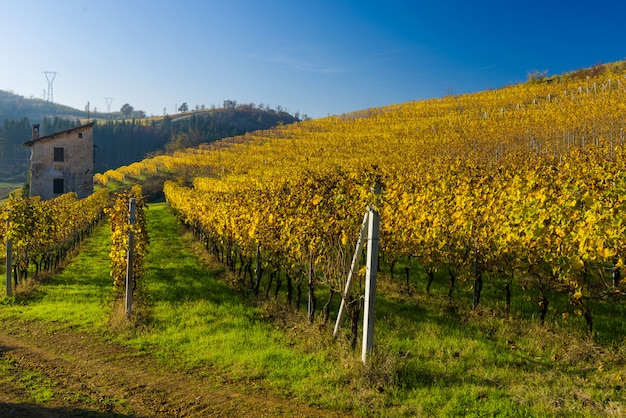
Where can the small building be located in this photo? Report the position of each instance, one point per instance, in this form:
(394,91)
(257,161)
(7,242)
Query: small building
(61,162)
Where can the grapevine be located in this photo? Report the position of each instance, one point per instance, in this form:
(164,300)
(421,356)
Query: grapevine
(119,219)
(525,182)
(45,232)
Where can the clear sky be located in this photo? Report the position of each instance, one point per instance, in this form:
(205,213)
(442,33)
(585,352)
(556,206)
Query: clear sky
(316,57)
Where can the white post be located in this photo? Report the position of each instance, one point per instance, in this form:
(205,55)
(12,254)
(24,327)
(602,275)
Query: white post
(131,256)
(370,280)
(9,262)
(357,250)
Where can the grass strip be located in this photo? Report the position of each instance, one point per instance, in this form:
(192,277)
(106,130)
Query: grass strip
(78,297)
(195,319)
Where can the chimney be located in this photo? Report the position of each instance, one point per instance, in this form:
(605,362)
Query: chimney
(35,131)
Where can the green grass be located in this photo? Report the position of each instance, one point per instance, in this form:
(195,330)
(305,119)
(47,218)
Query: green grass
(195,320)
(37,387)
(431,357)
(79,296)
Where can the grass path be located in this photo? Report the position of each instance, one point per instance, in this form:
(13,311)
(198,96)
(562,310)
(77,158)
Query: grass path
(196,319)
(197,322)
(78,297)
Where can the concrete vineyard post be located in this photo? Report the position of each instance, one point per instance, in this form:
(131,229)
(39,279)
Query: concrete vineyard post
(370,279)
(131,256)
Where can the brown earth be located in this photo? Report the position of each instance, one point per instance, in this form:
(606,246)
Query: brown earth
(90,376)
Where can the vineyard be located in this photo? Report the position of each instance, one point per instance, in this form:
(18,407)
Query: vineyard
(521,190)
(44,232)
(523,186)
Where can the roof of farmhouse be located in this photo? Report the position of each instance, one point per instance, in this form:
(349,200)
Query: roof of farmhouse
(39,138)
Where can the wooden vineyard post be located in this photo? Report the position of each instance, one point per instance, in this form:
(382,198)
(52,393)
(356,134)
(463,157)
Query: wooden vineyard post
(258,270)
(9,261)
(131,256)
(311,280)
(357,250)
(370,279)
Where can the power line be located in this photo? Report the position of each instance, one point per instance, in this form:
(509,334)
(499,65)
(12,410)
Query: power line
(109,101)
(50,76)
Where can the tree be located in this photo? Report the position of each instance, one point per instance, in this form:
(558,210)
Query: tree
(183,108)
(537,76)
(179,141)
(127,110)
(230,104)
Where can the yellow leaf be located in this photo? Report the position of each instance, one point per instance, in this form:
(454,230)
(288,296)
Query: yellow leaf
(607,253)
(316,199)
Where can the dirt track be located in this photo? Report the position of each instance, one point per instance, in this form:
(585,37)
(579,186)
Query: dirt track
(91,377)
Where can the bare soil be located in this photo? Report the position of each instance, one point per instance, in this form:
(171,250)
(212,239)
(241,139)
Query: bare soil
(90,376)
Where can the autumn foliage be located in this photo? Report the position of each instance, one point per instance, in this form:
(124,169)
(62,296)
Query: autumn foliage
(525,182)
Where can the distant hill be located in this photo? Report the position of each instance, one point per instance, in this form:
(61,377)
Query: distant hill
(13,106)
(123,142)
(118,140)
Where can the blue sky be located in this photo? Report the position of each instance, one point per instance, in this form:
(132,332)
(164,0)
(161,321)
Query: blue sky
(317,57)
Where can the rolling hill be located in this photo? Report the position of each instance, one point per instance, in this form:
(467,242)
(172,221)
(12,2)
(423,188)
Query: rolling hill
(120,141)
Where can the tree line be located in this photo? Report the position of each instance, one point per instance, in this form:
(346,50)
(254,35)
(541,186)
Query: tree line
(118,143)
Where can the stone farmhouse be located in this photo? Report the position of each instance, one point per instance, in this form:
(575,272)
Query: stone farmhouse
(61,162)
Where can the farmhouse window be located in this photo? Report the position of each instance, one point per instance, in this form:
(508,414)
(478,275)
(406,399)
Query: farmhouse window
(57,186)
(59,154)
(80,135)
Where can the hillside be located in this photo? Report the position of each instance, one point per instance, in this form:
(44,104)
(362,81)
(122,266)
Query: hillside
(122,141)
(478,126)
(14,106)
(522,184)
